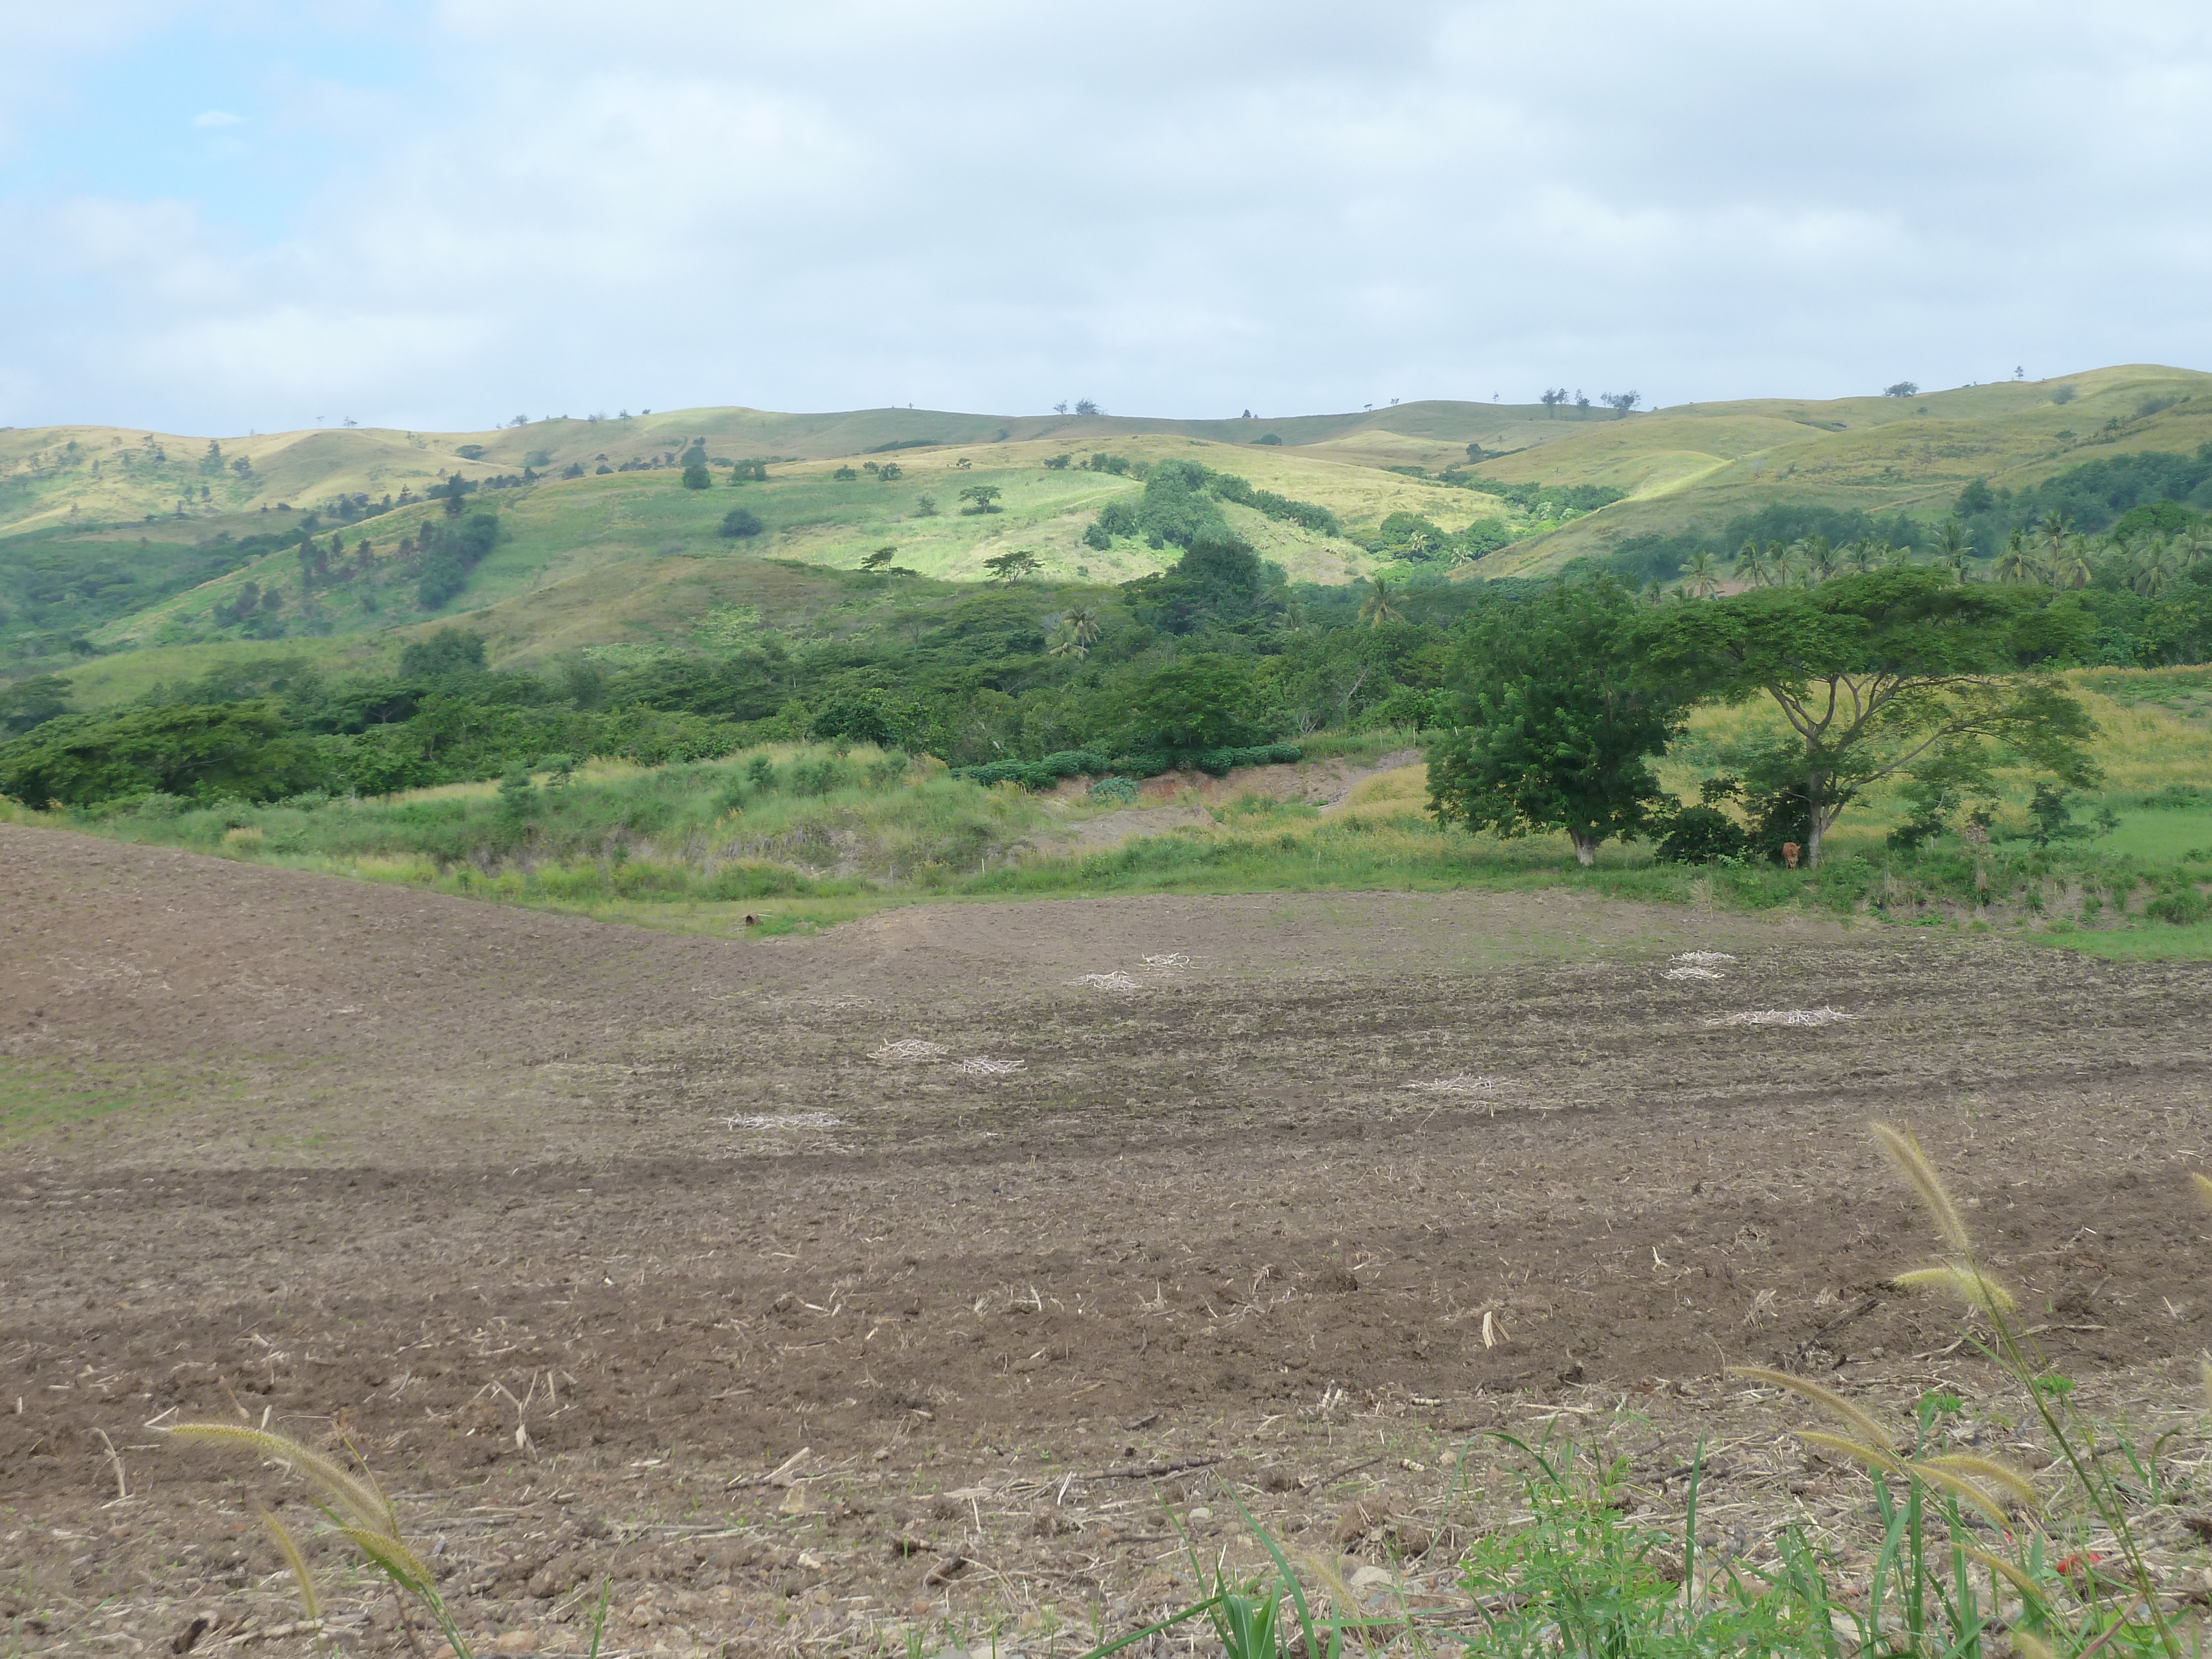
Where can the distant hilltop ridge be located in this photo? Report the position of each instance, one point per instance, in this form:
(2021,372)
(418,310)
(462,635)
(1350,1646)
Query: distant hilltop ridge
(1888,453)
(671,530)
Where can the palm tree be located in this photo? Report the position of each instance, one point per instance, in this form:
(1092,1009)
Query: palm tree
(1863,554)
(1819,559)
(1704,576)
(1952,549)
(2154,571)
(2053,530)
(1417,544)
(2017,562)
(1752,564)
(1377,608)
(1077,632)
(2196,542)
(2069,562)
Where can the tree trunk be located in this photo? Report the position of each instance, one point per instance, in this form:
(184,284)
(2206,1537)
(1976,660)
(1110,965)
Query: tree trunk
(1815,803)
(1585,847)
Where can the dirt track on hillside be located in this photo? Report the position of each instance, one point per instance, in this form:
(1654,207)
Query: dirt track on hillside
(568,1226)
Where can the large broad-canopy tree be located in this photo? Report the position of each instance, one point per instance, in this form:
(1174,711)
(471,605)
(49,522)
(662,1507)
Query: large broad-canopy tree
(1550,725)
(248,749)
(1900,671)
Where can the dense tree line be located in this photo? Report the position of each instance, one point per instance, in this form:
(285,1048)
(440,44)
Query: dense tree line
(1215,655)
(2117,502)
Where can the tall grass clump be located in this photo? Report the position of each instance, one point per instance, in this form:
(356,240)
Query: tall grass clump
(1971,1544)
(777,821)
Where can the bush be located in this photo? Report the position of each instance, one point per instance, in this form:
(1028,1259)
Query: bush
(2182,904)
(1077,763)
(1219,762)
(740,522)
(1702,835)
(448,651)
(1041,774)
(245,751)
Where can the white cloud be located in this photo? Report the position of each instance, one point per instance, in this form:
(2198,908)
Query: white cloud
(1183,210)
(214,120)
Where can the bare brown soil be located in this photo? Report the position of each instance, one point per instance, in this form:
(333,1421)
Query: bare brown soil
(582,1233)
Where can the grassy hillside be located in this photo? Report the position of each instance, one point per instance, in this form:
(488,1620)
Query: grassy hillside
(117,542)
(1701,466)
(635,558)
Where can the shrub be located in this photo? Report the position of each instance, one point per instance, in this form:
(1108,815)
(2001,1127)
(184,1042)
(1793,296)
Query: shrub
(1702,835)
(740,522)
(245,751)
(1076,762)
(2182,904)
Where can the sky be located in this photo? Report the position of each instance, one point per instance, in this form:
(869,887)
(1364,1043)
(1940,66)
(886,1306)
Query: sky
(230,216)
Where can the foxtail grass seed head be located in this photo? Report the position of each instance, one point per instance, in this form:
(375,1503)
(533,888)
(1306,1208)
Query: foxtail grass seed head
(401,1565)
(2001,1567)
(2204,1187)
(1998,1477)
(363,1503)
(1965,1491)
(1872,1457)
(1899,1146)
(1970,1284)
(289,1547)
(1866,1428)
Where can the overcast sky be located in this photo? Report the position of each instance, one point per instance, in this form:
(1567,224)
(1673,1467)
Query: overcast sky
(218,216)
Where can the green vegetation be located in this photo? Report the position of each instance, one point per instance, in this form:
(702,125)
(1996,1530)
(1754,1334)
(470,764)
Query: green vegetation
(1547,725)
(812,837)
(461,616)
(1551,708)
(1900,672)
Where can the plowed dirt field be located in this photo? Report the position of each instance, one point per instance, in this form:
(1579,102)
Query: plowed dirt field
(815,1291)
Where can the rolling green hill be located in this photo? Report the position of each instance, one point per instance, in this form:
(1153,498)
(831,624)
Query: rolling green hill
(1702,466)
(128,556)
